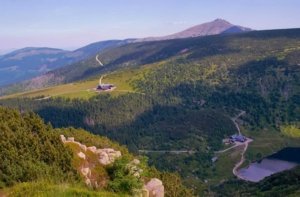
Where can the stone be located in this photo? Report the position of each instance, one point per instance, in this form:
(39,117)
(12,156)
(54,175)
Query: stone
(155,188)
(92,149)
(63,138)
(136,162)
(86,171)
(108,150)
(113,156)
(104,158)
(83,147)
(81,155)
(71,139)
(107,156)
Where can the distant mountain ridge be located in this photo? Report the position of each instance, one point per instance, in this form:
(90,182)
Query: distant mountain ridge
(29,62)
(218,26)
(34,63)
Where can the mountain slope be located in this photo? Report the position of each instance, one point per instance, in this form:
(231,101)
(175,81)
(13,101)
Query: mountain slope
(143,53)
(184,93)
(21,69)
(218,26)
(30,62)
(36,159)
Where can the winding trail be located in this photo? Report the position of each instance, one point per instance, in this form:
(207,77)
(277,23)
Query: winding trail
(235,123)
(232,147)
(245,144)
(97,59)
(237,165)
(44,98)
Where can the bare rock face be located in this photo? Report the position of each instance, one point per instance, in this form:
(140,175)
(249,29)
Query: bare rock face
(155,188)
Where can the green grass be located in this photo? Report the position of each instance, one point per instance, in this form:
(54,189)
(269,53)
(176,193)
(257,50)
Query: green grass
(290,131)
(225,164)
(85,89)
(44,189)
(267,142)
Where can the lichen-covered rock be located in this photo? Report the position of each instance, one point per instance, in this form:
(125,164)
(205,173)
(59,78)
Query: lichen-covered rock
(92,149)
(136,161)
(107,155)
(63,138)
(83,147)
(86,171)
(155,188)
(81,155)
(103,158)
(71,139)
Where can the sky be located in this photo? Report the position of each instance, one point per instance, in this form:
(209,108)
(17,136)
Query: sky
(70,24)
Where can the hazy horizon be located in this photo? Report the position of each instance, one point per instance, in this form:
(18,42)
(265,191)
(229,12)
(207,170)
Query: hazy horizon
(69,25)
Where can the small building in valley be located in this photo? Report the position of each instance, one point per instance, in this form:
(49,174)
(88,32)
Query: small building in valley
(238,138)
(104,87)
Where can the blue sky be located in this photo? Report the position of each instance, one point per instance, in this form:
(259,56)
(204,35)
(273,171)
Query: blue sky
(74,23)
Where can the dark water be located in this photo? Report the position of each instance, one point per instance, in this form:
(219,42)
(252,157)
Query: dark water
(285,159)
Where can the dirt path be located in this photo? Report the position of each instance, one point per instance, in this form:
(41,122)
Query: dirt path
(245,144)
(44,98)
(237,165)
(99,62)
(235,123)
(227,149)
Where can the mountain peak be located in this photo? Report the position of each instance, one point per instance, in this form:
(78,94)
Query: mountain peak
(220,19)
(217,26)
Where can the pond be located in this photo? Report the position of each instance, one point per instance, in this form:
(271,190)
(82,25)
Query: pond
(285,159)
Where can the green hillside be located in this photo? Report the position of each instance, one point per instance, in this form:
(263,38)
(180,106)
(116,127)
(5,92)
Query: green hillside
(34,160)
(181,95)
(239,48)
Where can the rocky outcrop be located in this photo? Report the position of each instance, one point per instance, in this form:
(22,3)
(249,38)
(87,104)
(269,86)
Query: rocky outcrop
(155,188)
(81,155)
(91,157)
(105,156)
